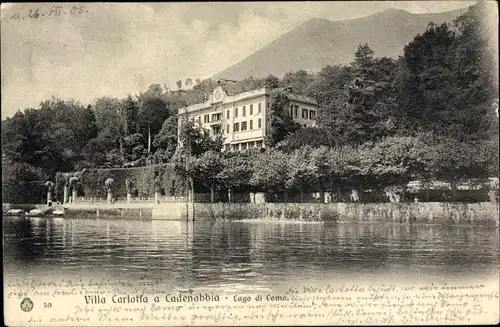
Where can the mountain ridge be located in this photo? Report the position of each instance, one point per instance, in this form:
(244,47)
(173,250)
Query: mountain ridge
(319,42)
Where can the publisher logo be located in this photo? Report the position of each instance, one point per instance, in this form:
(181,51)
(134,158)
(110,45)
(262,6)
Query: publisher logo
(26,304)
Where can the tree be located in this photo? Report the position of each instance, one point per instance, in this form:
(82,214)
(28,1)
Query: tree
(194,141)
(363,58)
(23,183)
(270,171)
(205,86)
(280,124)
(197,139)
(453,161)
(179,85)
(313,137)
(188,83)
(249,83)
(94,153)
(51,137)
(327,87)
(447,84)
(301,170)
(366,110)
(206,170)
(428,85)
(475,69)
(236,172)
(344,164)
(131,109)
(322,171)
(392,162)
(272,82)
(153,110)
(298,81)
(357,102)
(111,123)
(165,141)
(133,146)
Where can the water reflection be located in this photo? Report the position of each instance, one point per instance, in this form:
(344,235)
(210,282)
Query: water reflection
(217,254)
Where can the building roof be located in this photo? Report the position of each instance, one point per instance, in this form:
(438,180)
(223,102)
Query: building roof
(302,98)
(231,95)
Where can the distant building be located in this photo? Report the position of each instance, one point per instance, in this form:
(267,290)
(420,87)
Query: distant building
(241,117)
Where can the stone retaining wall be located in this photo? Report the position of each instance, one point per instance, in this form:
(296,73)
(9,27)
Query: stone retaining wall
(430,212)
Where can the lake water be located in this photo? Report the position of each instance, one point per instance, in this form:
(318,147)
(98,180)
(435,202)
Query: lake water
(245,255)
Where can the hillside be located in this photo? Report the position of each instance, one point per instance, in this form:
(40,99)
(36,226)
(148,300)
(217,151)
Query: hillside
(320,42)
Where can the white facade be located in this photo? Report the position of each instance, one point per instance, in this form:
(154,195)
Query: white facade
(241,118)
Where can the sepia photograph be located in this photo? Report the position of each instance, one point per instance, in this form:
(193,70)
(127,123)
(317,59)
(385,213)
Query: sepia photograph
(250,163)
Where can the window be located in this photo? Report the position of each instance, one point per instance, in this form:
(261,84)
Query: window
(251,144)
(259,108)
(304,113)
(236,127)
(244,126)
(227,147)
(291,111)
(206,118)
(243,146)
(258,144)
(312,114)
(236,147)
(244,111)
(228,114)
(235,112)
(251,124)
(227,128)
(296,111)
(251,109)
(216,117)
(199,119)
(259,123)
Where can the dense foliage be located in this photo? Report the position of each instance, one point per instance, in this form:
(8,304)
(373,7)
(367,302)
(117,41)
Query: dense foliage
(280,123)
(384,166)
(427,115)
(138,181)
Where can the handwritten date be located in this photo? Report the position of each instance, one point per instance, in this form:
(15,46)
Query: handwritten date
(54,11)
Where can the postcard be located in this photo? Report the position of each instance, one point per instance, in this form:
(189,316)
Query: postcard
(250,163)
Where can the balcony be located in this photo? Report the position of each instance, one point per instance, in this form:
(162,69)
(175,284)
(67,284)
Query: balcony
(216,119)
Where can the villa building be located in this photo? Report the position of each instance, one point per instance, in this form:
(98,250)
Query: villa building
(241,117)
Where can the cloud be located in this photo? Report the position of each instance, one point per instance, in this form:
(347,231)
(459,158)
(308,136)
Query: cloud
(115,49)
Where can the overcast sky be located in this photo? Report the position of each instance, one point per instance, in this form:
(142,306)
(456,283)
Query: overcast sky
(115,49)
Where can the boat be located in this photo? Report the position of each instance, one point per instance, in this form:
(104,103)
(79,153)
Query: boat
(15,212)
(36,213)
(58,212)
